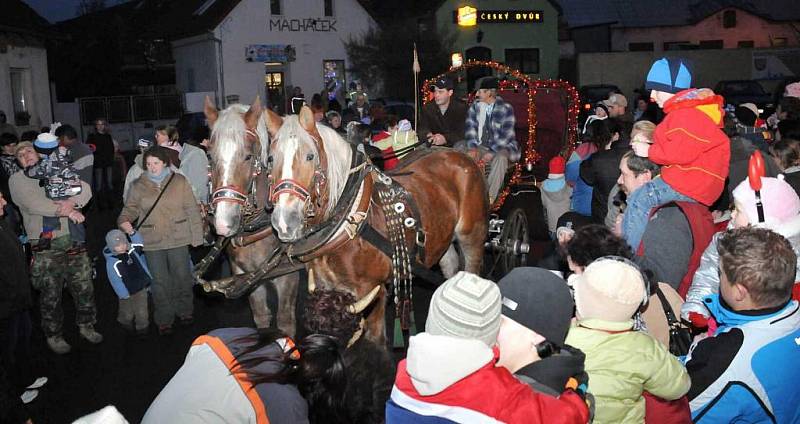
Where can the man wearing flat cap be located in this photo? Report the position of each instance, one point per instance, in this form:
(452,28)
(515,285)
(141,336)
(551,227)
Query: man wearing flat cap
(489,135)
(442,120)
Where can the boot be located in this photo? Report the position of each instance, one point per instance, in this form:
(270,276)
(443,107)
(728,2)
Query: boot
(58,345)
(88,333)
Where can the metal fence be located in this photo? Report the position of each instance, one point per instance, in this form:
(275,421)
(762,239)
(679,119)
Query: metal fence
(122,109)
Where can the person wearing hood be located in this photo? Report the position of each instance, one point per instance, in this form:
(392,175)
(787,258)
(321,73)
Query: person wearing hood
(781,208)
(689,145)
(556,193)
(451,372)
(536,315)
(129,276)
(622,363)
(746,370)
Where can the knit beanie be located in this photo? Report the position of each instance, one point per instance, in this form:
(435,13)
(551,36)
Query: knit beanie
(792,90)
(45,141)
(114,238)
(465,306)
(779,199)
(538,300)
(557,167)
(610,290)
(746,114)
(668,74)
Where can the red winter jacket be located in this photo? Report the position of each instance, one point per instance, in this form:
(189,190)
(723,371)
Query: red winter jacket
(691,147)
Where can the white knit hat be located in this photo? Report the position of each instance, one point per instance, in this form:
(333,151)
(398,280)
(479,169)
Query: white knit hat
(610,290)
(465,306)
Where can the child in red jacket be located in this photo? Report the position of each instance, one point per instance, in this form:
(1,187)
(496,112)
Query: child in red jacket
(689,145)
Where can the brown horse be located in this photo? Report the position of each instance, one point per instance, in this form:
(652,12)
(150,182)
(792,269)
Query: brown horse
(309,166)
(238,146)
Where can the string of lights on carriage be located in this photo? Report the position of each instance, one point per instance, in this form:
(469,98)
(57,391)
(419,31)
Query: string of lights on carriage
(522,81)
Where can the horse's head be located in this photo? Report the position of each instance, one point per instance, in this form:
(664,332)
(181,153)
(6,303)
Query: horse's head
(309,165)
(238,146)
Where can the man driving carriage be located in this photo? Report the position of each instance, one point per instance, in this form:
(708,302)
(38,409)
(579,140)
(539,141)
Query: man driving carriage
(442,120)
(489,137)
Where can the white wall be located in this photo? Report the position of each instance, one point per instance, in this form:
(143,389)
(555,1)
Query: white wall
(196,64)
(249,23)
(34,61)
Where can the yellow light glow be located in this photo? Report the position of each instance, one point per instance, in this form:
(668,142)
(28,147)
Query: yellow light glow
(467,16)
(456,60)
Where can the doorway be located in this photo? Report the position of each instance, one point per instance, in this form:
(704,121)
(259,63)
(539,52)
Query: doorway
(276,97)
(473,74)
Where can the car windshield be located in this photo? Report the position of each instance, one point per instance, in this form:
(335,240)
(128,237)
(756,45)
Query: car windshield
(742,87)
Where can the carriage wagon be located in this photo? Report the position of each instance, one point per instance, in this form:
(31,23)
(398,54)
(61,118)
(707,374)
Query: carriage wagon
(546,113)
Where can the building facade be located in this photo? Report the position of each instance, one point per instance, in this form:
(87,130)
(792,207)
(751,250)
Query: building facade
(24,81)
(521,34)
(265,48)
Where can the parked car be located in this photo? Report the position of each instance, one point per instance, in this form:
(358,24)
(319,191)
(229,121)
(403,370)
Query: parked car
(590,95)
(736,92)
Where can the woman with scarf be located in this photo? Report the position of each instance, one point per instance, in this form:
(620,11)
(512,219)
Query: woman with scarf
(168,223)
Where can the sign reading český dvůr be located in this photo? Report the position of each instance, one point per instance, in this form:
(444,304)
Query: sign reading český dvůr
(506,16)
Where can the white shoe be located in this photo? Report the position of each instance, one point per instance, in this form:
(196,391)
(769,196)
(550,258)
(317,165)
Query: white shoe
(29,396)
(41,381)
(58,345)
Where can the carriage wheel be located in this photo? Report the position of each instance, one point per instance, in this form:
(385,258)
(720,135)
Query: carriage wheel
(514,242)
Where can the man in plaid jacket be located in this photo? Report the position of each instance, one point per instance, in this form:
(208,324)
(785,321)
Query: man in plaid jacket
(489,134)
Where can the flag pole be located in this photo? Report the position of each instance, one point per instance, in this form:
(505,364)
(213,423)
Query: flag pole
(416,70)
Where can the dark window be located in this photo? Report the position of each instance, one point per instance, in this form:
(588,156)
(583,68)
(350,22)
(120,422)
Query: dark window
(675,45)
(779,42)
(641,47)
(328,7)
(746,44)
(526,60)
(729,19)
(275,7)
(711,44)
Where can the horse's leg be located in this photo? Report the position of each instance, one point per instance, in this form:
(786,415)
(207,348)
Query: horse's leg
(472,221)
(258,305)
(286,288)
(449,262)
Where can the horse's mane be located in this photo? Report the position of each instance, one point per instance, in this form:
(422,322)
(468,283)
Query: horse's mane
(336,148)
(230,127)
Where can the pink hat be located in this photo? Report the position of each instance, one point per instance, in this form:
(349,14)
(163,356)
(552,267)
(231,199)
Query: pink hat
(779,199)
(792,90)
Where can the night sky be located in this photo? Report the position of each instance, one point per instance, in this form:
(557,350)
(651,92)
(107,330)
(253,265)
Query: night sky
(59,10)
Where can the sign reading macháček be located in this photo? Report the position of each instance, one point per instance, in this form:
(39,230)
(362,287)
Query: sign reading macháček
(303,25)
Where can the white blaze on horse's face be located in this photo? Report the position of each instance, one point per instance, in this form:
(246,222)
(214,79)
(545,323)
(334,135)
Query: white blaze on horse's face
(227,215)
(293,174)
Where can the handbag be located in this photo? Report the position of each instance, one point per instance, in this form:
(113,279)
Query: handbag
(139,224)
(680,337)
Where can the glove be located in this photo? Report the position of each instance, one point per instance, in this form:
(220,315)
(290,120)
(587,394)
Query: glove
(698,320)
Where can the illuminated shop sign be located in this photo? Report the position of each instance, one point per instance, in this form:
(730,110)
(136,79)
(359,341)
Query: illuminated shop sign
(468,16)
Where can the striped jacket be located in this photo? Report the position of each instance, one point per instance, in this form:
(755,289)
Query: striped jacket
(502,130)
(690,146)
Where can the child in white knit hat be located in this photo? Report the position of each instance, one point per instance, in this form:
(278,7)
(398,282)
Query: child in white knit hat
(622,363)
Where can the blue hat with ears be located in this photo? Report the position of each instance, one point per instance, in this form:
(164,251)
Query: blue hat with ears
(669,74)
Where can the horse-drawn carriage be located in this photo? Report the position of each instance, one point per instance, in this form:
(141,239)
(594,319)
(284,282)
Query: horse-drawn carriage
(546,113)
(292,195)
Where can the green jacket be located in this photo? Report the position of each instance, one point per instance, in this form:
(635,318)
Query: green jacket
(621,364)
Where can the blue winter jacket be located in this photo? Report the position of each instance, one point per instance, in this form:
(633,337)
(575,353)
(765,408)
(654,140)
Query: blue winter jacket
(128,272)
(748,371)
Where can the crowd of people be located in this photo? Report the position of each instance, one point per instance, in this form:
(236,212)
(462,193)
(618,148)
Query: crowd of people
(668,294)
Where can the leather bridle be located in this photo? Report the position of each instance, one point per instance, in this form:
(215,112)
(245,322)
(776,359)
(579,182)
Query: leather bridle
(235,194)
(314,200)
